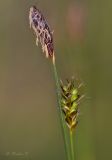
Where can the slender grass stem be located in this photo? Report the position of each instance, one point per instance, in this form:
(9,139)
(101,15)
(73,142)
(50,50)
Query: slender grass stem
(62,121)
(71,145)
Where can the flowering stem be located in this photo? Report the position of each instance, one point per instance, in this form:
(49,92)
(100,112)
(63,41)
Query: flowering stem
(71,145)
(62,121)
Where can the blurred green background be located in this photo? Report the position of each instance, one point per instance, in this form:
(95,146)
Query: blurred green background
(29,124)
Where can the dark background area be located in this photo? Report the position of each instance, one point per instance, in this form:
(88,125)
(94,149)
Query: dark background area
(29,122)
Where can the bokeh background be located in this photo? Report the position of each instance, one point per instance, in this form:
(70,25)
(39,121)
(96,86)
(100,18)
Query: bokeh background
(29,122)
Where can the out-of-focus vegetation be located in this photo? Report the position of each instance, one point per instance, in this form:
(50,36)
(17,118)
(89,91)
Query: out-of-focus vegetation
(29,125)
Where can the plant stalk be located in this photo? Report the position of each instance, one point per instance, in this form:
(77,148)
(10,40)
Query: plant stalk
(62,121)
(71,145)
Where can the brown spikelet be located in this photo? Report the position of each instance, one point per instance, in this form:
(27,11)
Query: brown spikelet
(42,31)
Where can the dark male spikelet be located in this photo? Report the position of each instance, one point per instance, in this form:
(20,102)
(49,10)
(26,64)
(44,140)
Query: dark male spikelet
(42,31)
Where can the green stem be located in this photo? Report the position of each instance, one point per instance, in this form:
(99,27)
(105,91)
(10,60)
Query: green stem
(71,145)
(62,121)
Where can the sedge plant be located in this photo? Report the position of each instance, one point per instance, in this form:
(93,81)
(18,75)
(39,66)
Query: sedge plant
(68,96)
